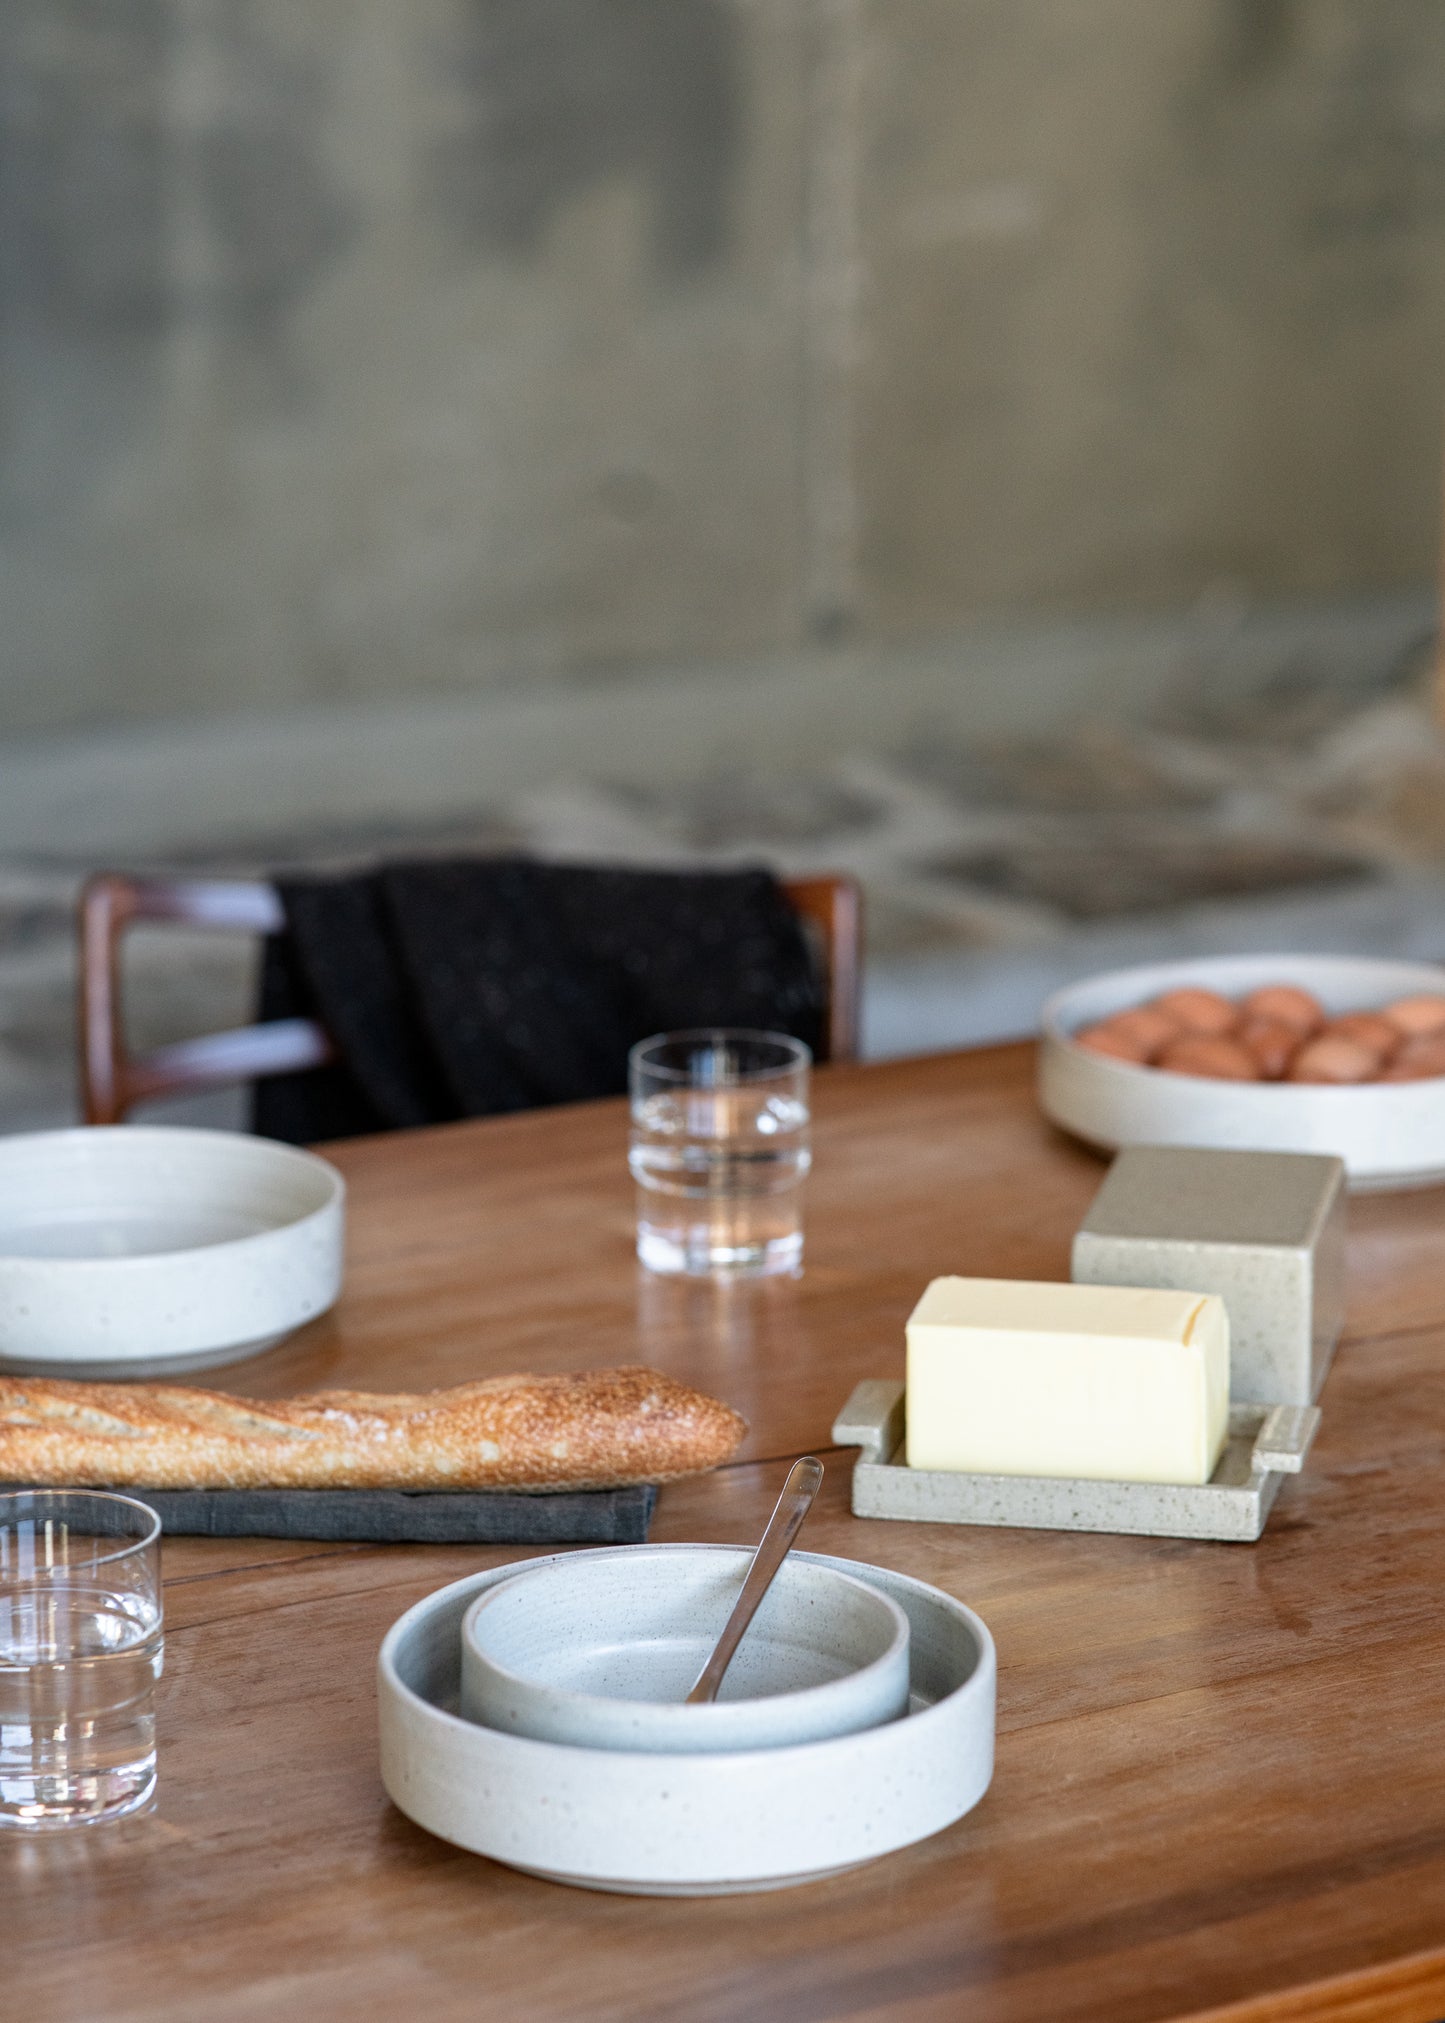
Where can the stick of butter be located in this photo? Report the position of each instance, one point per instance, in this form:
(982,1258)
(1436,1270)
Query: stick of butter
(1112,1383)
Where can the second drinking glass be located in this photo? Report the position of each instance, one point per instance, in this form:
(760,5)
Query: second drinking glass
(719,1151)
(80,1654)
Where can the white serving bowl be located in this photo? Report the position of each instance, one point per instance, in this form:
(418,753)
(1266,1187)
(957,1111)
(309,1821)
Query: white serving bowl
(135,1251)
(700,1825)
(601,1650)
(1389,1134)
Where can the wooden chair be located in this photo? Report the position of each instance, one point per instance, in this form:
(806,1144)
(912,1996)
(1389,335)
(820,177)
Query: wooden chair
(113,1080)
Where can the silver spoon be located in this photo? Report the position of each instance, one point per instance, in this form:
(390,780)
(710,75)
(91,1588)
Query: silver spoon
(783,1526)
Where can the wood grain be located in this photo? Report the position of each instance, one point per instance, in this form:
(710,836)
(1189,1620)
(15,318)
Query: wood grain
(1221,1787)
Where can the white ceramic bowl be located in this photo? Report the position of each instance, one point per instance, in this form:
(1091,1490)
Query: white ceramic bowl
(600,1651)
(134,1251)
(701,1825)
(1389,1134)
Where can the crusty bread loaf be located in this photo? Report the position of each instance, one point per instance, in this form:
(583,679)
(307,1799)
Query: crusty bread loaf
(595,1429)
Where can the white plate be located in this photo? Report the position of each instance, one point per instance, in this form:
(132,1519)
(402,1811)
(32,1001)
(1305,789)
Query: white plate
(132,1251)
(1389,1134)
(704,1825)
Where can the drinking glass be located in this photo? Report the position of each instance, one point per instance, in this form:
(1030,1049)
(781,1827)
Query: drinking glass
(719,1151)
(80,1654)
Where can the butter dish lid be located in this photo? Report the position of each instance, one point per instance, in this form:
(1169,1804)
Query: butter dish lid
(1196,1194)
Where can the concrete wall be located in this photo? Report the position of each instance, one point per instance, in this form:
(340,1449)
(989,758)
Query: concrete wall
(1156,297)
(355,349)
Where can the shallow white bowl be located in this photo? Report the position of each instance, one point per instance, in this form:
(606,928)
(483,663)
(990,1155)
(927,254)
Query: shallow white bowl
(135,1251)
(1389,1134)
(698,1825)
(600,1650)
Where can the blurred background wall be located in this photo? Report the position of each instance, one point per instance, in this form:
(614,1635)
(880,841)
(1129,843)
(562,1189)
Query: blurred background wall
(355,350)
(992,446)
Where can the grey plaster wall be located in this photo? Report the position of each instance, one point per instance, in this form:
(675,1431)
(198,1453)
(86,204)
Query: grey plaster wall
(1155,296)
(354,349)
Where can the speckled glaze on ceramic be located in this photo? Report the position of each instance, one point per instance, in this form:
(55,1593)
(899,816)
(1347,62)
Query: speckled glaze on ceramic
(1389,1134)
(699,1825)
(1264,1230)
(1264,1444)
(133,1251)
(601,1650)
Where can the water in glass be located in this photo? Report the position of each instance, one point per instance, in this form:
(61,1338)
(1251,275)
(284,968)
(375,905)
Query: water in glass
(719,1173)
(78,1669)
(80,1654)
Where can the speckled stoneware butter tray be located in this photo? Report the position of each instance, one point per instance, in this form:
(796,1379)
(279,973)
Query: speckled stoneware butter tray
(689,1825)
(1265,1443)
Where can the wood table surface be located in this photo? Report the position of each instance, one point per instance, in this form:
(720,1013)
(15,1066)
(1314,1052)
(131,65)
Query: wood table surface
(1220,1788)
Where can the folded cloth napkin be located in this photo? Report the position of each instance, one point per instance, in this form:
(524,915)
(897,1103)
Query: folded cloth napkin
(431,1517)
(464,988)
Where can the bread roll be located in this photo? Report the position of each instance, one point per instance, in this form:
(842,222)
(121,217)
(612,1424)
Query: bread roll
(593,1429)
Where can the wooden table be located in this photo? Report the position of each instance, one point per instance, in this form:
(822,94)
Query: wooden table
(1221,1770)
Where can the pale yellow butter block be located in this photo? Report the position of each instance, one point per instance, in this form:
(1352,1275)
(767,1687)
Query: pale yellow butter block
(1112,1383)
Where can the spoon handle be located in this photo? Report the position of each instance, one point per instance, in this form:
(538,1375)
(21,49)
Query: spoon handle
(792,1507)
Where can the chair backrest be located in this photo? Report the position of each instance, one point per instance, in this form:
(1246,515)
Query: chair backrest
(113,1080)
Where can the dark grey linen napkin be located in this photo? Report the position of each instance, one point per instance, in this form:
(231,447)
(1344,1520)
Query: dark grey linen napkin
(412,1516)
(470,987)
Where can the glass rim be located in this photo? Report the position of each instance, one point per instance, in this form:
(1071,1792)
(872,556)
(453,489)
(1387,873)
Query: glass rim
(125,1547)
(799,1053)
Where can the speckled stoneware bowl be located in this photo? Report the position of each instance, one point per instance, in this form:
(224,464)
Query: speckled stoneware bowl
(1389,1134)
(601,1650)
(135,1251)
(699,1825)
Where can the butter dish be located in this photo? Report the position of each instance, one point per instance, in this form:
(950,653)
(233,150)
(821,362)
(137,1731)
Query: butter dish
(1263,1445)
(1263,1230)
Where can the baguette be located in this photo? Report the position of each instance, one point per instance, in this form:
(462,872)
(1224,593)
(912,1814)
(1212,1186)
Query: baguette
(592,1429)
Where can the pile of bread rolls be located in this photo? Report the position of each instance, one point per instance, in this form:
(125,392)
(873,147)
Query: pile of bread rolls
(1277,1033)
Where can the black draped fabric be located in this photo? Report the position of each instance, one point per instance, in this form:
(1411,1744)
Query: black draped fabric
(464,988)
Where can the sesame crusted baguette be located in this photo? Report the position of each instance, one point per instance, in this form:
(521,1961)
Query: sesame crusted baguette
(594,1429)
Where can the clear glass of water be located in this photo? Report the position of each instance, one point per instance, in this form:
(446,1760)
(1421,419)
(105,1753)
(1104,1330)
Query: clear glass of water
(80,1654)
(719,1151)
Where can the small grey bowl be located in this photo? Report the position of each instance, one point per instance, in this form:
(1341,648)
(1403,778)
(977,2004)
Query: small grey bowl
(600,1650)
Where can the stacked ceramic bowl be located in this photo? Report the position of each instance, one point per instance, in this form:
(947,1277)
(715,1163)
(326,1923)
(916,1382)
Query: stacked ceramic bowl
(537,1714)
